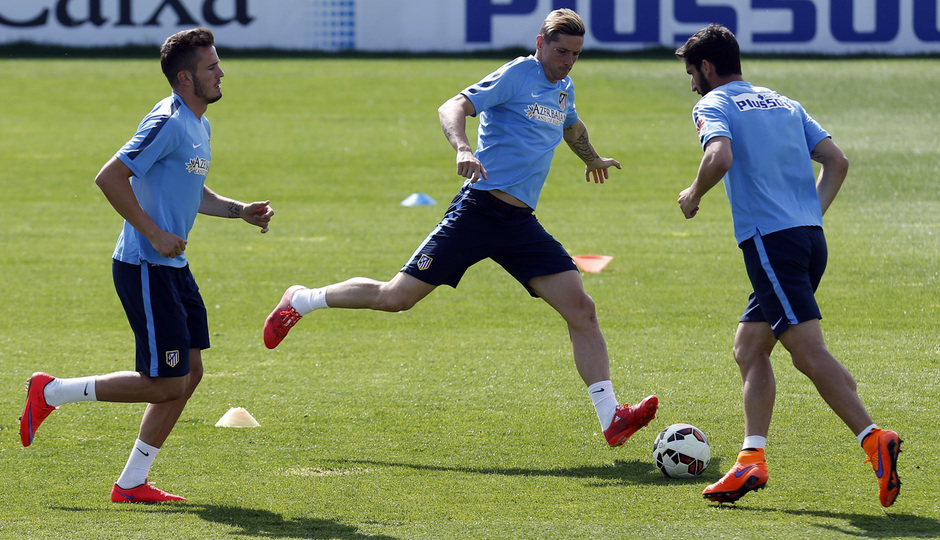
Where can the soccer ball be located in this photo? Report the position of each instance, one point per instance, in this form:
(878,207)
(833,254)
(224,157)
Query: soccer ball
(681,451)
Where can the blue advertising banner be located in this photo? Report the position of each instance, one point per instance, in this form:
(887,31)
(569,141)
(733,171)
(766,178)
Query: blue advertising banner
(894,27)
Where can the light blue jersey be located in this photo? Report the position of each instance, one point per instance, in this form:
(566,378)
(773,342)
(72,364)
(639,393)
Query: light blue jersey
(771,184)
(169,156)
(522,118)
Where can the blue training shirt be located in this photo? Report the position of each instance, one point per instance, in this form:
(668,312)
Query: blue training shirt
(522,118)
(169,156)
(771,184)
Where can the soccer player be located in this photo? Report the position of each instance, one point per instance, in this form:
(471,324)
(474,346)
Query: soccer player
(156,182)
(763,145)
(526,108)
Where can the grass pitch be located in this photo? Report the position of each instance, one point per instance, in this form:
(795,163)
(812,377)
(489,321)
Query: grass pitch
(464,417)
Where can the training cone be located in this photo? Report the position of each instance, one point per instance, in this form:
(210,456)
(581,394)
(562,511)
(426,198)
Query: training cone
(592,263)
(237,417)
(418,199)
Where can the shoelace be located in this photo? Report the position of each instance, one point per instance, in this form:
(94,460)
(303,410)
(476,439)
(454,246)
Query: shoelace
(289,318)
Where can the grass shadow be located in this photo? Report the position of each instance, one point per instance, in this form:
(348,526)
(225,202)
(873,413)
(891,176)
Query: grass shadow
(858,525)
(869,526)
(257,523)
(634,472)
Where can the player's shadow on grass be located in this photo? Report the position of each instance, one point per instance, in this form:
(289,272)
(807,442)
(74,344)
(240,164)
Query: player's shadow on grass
(255,523)
(621,472)
(889,525)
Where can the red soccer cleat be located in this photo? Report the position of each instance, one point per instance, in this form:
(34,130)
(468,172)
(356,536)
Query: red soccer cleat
(144,493)
(627,420)
(36,409)
(282,319)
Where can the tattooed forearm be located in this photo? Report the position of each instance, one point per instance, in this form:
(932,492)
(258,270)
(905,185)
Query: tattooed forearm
(234,209)
(581,145)
(447,131)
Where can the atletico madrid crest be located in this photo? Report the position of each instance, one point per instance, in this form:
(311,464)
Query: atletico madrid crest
(172,358)
(424,262)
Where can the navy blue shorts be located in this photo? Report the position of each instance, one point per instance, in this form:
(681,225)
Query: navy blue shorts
(476,226)
(167,314)
(785,268)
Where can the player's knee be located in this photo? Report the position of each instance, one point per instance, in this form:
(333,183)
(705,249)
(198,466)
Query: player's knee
(746,355)
(583,313)
(815,361)
(168,389)
(195,377)
(395,305)
(394,301)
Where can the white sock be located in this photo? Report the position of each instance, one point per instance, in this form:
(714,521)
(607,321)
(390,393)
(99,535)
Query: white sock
(60,391)
(605,402)
(754,441)
(861,436)
(138,465)
(307,300)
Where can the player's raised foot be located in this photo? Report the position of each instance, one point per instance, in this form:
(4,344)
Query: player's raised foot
(282,319)
(883,447)
(748,474)
(36,409)
(627,420)
(144,493)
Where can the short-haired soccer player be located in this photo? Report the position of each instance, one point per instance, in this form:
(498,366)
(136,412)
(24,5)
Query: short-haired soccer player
(763,145)
(156,182)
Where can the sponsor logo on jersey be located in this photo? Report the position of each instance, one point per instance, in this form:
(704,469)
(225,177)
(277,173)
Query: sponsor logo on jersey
(699,125)
(198,165)
(760,102)
(540,112)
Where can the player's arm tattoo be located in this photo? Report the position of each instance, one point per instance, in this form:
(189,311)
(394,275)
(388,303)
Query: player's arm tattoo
(234,209)
(447,132)
(581,145)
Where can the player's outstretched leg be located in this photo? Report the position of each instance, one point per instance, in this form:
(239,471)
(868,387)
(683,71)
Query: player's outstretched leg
(627,420)
(282,319)
(144,493)
(883,447)
(748,474)
(36,409)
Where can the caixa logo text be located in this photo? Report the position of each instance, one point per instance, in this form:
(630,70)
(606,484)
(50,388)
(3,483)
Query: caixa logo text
(72,13)
(800,20)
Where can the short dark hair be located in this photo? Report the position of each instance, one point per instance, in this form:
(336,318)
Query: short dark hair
(561,22)
(716,44)
(178,52)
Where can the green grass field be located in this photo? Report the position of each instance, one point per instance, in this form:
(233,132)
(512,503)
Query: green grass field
(464,417)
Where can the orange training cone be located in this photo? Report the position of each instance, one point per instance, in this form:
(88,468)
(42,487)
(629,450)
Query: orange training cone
(592,263)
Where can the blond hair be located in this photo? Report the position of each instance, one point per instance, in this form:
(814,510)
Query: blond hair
(561,22)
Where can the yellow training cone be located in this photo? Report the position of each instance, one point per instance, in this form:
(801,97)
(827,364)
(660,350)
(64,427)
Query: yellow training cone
(237,417)
(592,263)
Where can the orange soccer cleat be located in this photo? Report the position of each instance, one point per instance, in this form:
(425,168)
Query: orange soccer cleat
(883,447)
(748,474)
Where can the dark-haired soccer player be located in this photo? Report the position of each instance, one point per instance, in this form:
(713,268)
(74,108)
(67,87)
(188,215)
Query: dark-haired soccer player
(763,145)
(526,109)
(156,182)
